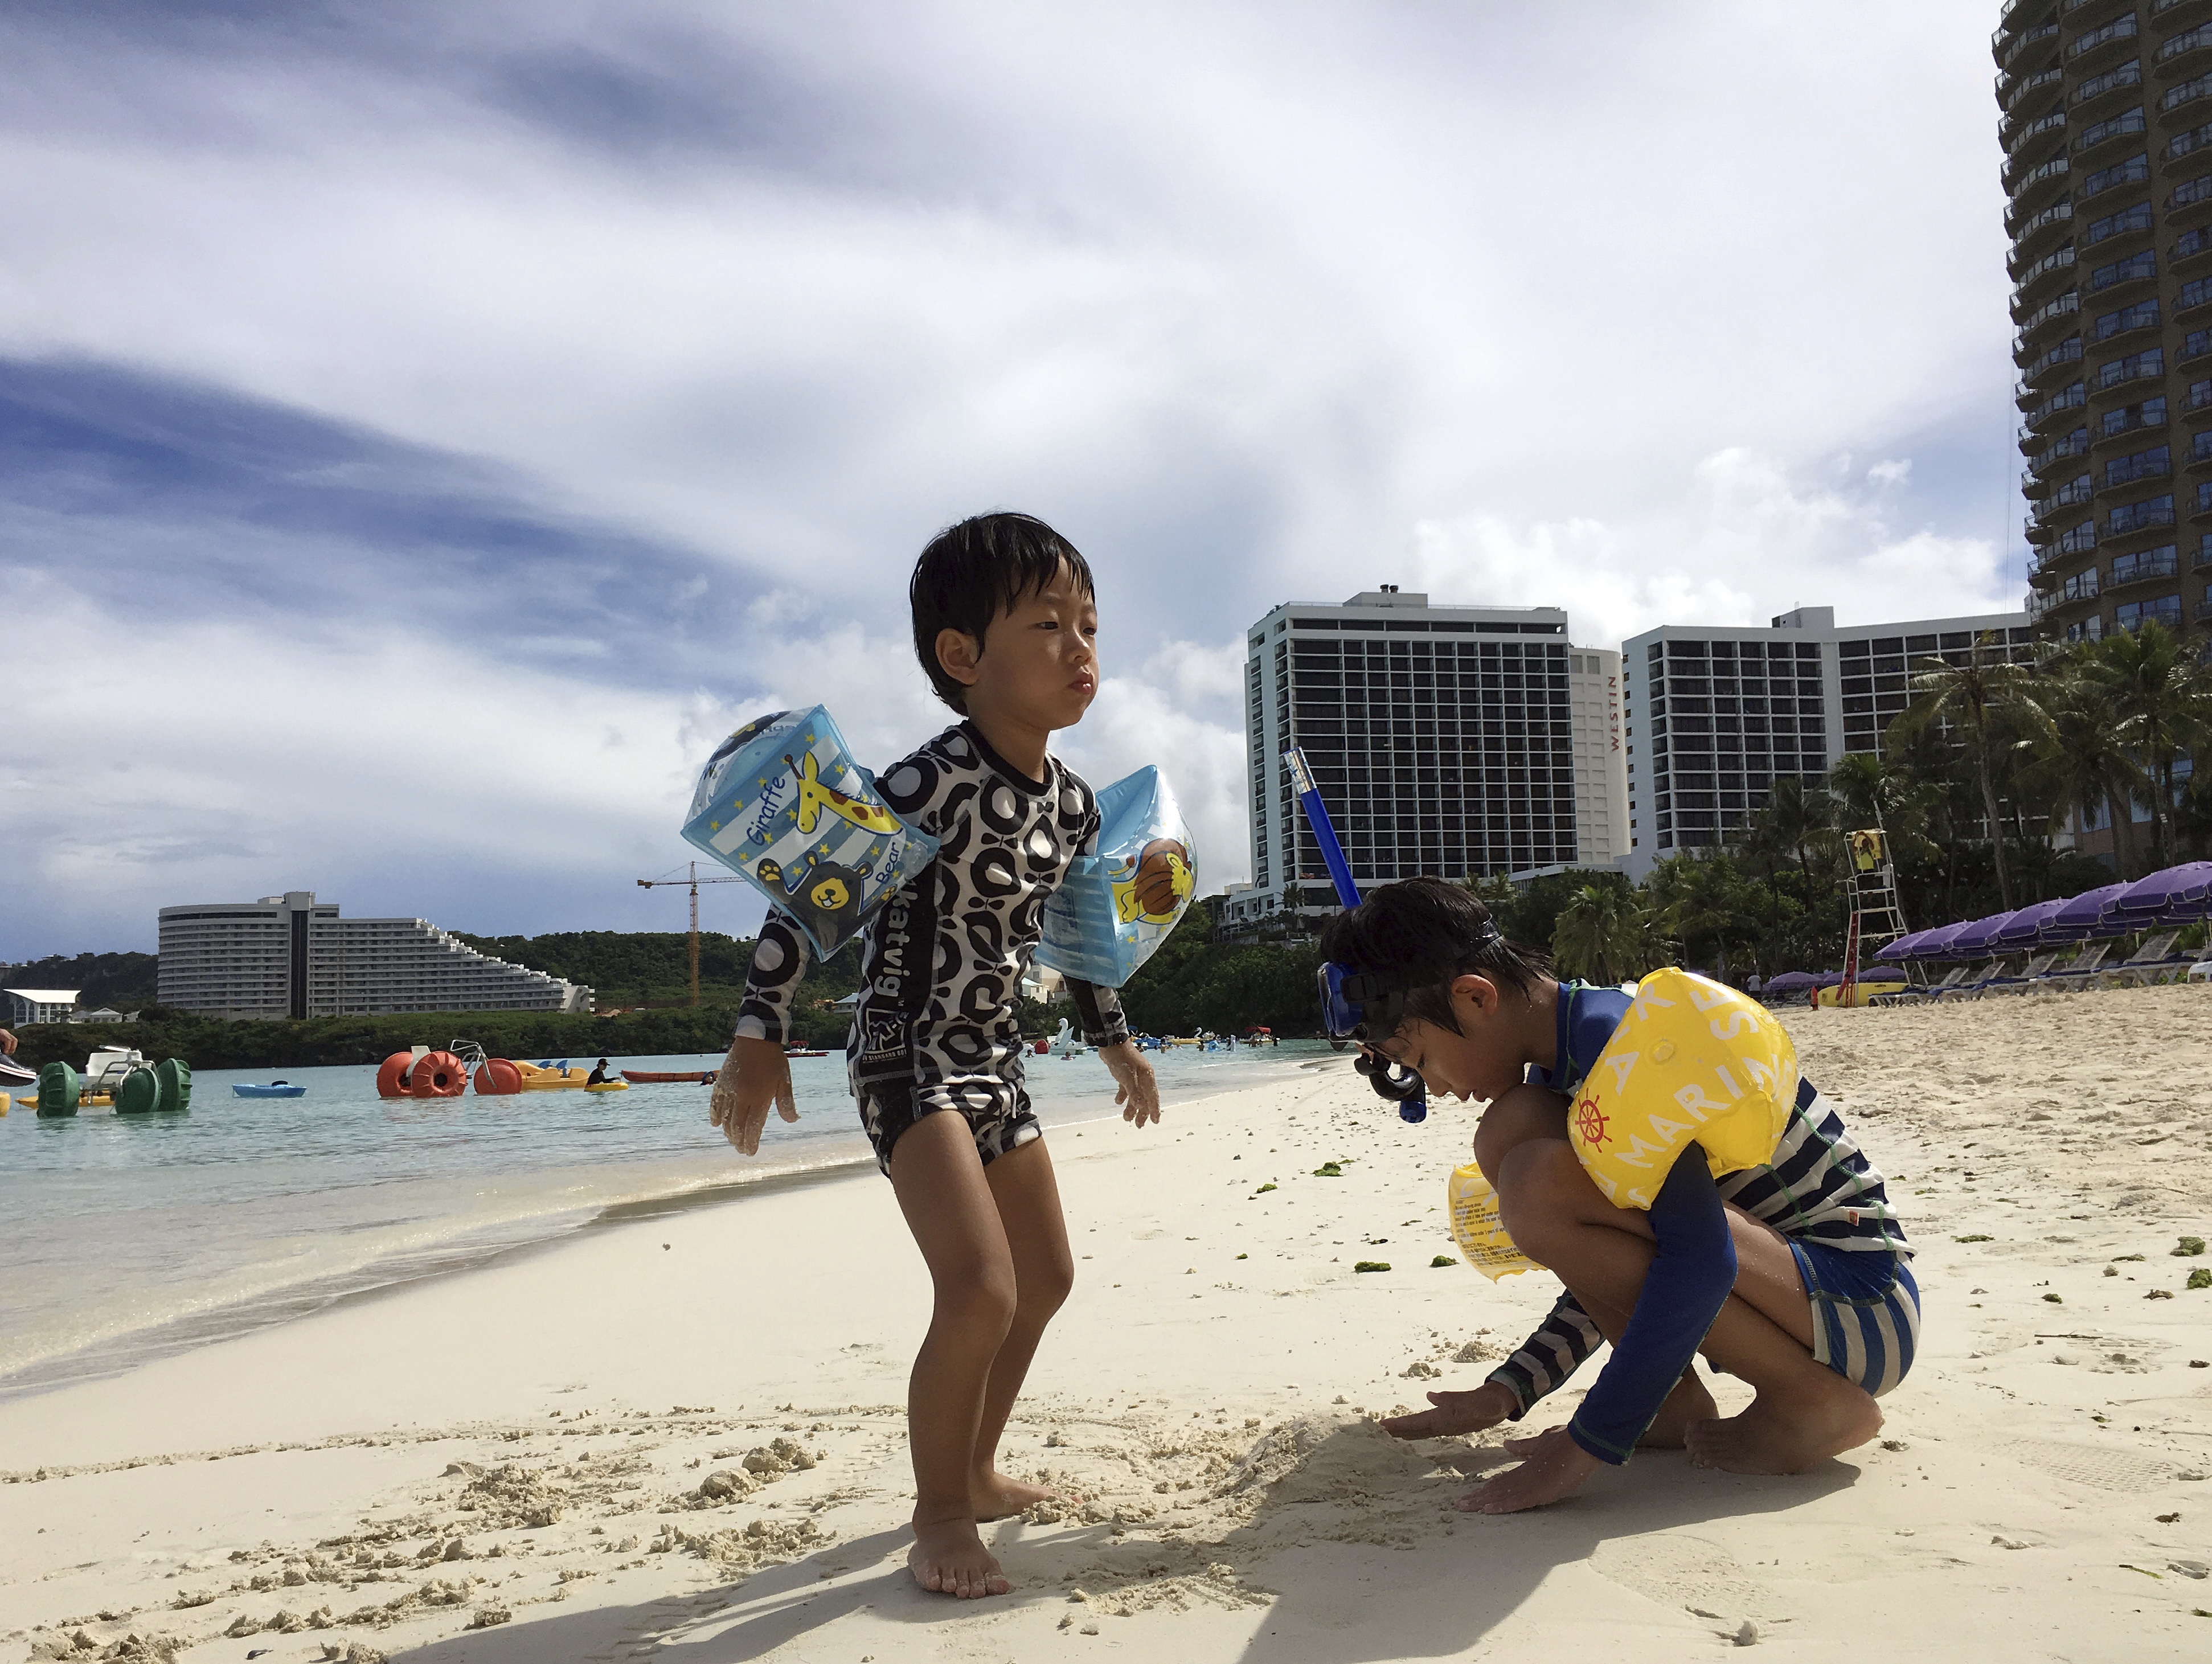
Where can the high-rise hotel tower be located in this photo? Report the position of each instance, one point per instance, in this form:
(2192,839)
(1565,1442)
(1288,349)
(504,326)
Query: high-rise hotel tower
(1446,740)
(2107,134)
(1715,715)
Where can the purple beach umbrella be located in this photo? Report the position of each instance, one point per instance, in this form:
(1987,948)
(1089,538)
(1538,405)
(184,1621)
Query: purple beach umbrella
(2027,927)
(2088,914)
(1937,944)
(1789,982)
(1906,946)
(2178,893)
(1980,936)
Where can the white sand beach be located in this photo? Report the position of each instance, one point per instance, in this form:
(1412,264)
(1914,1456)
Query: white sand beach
(518,1463)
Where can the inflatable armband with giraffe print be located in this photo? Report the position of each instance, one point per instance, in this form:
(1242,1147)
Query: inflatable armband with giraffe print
(782,804)
(1122,897)
(1691,1061)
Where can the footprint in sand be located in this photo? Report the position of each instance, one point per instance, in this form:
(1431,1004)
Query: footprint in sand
(2103,1466)
(1688,1573)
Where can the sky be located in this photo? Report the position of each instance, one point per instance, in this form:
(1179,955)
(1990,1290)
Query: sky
(427,429)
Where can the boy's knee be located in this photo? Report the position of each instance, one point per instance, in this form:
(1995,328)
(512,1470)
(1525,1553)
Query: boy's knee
(1525,1114)
(1046,1285)
(979,1299)
(1541,1186)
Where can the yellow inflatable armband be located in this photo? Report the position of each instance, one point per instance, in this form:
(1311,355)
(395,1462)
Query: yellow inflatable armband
(1692,1059)
(1476,1228)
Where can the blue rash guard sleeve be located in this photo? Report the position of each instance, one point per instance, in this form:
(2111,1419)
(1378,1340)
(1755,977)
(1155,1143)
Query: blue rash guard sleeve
(1684,1291)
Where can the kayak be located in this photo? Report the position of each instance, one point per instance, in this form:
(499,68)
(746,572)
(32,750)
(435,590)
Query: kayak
(608,1086)
(648,1077)
(274,1090)
(802,1052)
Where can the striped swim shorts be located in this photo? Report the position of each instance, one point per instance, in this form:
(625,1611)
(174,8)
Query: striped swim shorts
(1866,1313)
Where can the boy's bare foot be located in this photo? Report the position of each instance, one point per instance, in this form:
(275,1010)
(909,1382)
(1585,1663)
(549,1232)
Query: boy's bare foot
(1687,1404)
(1455,1412)
(1552,1468)
(995,1497)
(1787,1437)
(948,1557)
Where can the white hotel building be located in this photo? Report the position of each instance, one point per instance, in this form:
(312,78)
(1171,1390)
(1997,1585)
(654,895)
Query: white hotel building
(1447,740)
(1717,715)
(290,956)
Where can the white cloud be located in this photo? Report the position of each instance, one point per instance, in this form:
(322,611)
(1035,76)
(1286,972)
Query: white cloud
(1586,305)
(1182,711)
(1740,542)
(208,761)
(1353,265)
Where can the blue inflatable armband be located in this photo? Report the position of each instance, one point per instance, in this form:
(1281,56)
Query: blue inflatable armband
(782,803)
(1115,907)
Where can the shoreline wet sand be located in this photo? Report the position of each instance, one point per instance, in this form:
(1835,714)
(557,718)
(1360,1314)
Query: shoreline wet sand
(130,1239)
(683,1433)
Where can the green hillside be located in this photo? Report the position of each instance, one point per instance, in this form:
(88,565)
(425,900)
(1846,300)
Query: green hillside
(628,968)
(123,981)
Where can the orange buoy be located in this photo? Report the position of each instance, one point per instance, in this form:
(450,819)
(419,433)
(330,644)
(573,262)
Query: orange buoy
(439,1075)
(392,1078)
(497,1078)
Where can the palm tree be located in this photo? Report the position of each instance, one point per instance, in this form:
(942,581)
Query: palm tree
(1604,933)
(1801,820)
(1761,848)
(2161,693)
(1976,700)
(2079,760)
(1703,897)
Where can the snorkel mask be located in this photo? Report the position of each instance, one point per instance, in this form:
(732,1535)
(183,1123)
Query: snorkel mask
(1355,1006)
(1363,1009)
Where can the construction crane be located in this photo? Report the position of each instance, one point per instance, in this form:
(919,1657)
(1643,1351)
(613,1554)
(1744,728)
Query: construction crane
(694,881)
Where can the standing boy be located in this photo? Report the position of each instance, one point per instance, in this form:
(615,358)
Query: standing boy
(1006,625)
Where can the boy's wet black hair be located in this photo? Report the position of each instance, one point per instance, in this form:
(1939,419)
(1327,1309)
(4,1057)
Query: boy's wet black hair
(1419,934)
(975,572)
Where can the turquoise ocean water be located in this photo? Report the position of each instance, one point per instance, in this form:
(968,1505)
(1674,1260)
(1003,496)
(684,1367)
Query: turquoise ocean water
(127,1237)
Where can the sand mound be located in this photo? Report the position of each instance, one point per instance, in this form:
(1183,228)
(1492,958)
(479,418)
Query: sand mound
(1323,1458)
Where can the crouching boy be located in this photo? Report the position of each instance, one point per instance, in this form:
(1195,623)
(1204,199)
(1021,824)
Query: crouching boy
(1791,1274)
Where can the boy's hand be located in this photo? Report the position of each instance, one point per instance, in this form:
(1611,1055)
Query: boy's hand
(1455,1412)
(754,1075)
(1139,1094)
(1552,1468)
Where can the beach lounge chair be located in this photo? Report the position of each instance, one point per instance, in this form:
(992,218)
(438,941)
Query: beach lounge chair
(1927,990)
(2030,973)
(2148,963)
(1971,986)
(2088,959)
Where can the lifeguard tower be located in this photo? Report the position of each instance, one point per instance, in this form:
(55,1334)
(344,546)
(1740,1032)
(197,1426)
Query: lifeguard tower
(1876,918)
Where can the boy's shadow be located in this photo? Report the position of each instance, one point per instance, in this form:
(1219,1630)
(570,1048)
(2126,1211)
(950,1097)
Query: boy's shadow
(1349,1546)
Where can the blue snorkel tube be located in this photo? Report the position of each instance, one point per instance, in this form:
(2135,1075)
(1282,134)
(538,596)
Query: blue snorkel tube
(1345,994)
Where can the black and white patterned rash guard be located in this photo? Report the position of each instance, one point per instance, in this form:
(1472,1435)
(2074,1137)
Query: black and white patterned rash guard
(938,1024)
